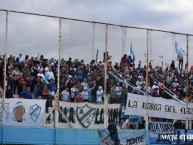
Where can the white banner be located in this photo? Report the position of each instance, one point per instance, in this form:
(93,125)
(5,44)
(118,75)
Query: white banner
(126,137)
(23,112)
(132,137)
(161,127)
(158,107)
(87,115)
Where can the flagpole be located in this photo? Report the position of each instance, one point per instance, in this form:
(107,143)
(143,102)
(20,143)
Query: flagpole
(105,82)
(5,71)
(147,66)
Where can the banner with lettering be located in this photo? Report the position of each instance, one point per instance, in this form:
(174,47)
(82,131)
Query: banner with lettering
(23,112)
(126,137)
(161,127)
(158,107)
(132,137)
(87,115)
(178,136)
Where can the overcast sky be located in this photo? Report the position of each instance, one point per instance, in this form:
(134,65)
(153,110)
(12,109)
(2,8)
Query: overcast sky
(26,32)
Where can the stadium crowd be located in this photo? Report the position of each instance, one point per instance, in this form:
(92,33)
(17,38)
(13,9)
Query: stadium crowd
(29,77)
(79,82)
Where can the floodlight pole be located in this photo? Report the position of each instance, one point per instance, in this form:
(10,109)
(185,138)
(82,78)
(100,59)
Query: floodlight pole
(105,82)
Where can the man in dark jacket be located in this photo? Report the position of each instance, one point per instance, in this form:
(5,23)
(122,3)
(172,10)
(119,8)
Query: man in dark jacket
(113,132)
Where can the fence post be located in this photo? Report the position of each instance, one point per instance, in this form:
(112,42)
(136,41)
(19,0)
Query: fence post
(4,71)
(187,81)
(147,63)
(105,81)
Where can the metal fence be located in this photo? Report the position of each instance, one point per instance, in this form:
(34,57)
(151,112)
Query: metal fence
(53,38)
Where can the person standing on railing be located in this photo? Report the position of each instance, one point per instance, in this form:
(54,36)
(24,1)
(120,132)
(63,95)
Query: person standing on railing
(180,59)
(172,66)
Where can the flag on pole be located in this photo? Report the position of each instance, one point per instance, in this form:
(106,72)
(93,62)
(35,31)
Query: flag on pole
(179,51)
(131,50)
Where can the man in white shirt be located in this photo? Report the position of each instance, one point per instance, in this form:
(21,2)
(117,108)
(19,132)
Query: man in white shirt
(65,95)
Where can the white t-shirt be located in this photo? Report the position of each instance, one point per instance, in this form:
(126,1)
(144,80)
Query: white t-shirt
(74,92)
(65,95)
(99,94)
(51,75)
(85,95)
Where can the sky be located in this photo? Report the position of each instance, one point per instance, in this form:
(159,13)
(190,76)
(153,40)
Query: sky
(39,35)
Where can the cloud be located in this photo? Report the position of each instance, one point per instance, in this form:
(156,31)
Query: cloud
(40,34)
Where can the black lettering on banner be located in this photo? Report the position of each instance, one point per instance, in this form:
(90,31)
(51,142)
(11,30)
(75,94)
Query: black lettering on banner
(115,115)
(81,111)
(186,110)
(170,109)
(65,113)
(71,115)
(96,117)
(102,116)
(60,115)
(110,115)
(61,119)
(135,140)
(151,106)
(161,127)
(132,104)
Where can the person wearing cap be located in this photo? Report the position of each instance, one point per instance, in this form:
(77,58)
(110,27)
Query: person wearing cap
(113,132)
(69,83)
(155,91)
(19,111)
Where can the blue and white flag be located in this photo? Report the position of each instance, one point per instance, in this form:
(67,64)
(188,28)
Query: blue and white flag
(179,51)
(131,50)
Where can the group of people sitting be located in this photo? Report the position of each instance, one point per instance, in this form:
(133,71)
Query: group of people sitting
(79,82)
